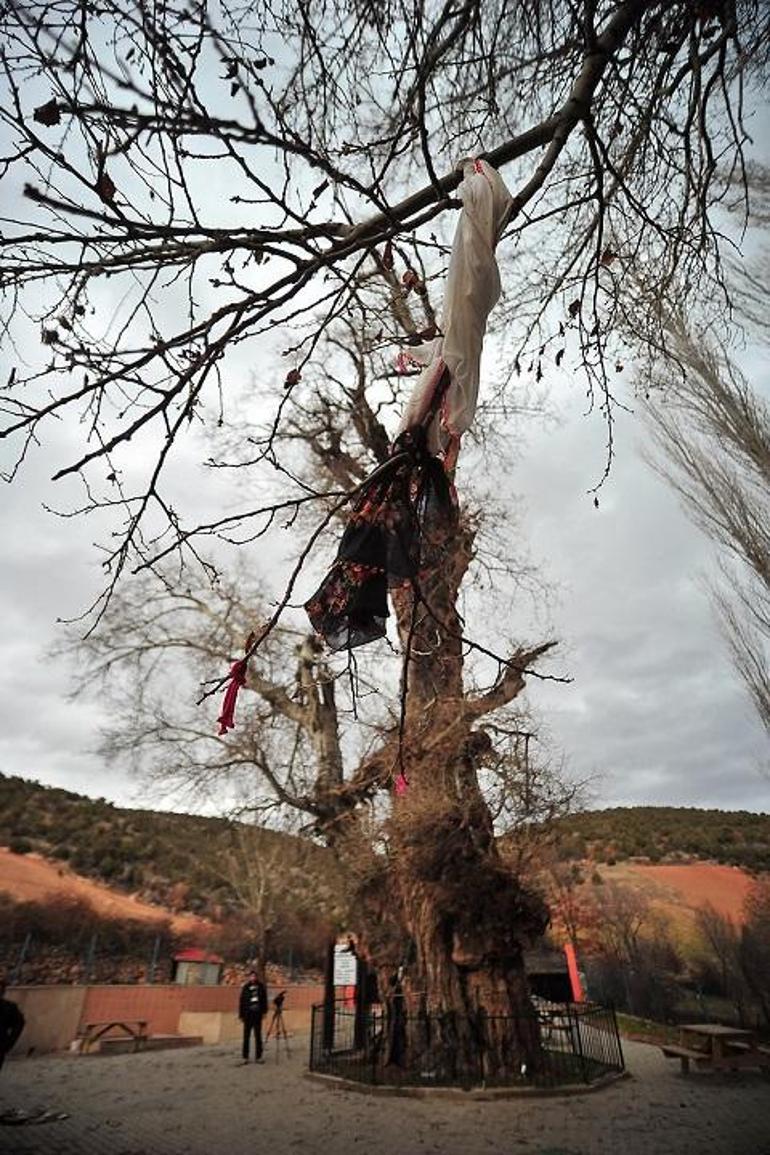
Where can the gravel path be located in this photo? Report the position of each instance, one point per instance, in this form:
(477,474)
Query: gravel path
(201,1102)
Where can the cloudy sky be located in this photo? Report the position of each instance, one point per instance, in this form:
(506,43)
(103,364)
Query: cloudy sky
(654,714)
(655,709)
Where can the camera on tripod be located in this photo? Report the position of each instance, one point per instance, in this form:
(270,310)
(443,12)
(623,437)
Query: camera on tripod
(277,1028)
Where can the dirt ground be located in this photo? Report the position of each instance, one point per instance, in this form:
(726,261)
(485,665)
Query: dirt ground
(201,1102)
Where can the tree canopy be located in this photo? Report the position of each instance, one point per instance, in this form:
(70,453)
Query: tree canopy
(197,177)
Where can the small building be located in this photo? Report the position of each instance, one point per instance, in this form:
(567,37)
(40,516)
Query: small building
(548,974)
(195,967)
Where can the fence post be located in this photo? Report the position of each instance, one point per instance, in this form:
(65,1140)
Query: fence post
(578,1041)
(482,1029)
(154,959)
(328,1025)
(16,972)
(312,1064)
(90,959)
(361,1004)
(614,1017)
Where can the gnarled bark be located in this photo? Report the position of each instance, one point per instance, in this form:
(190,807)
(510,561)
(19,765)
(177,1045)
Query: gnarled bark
(465,919)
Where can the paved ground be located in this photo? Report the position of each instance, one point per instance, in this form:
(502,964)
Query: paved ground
(200,1102)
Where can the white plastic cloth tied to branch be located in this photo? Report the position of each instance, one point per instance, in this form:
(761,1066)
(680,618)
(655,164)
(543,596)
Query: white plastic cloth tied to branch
(472,290)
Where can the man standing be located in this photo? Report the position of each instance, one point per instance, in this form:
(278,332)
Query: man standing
(11,1023)
(253,1005)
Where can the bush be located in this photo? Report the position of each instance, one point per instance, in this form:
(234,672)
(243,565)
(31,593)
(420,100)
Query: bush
(19,845)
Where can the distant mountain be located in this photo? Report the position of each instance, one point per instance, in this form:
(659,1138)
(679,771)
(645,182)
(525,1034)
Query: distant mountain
(667,834)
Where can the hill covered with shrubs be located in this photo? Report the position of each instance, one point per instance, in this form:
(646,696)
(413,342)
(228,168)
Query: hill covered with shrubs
(170,859)
(264,892)
(667,834)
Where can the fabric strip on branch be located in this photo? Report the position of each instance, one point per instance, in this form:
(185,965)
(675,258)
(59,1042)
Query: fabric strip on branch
(226,718)
(472,290)
(381,545)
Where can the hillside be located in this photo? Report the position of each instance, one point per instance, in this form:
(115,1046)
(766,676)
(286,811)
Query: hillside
(678,891)
(31,879)
(171,860)
(88,888)
(149,853)
(667,834)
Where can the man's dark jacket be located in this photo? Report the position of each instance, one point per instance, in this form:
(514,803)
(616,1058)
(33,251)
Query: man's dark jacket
(11,1026)
(253,1000)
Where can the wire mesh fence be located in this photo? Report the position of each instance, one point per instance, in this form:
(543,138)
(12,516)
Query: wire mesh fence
(555,1045)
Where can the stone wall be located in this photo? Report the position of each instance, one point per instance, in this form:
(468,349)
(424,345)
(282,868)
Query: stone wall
(56,1014)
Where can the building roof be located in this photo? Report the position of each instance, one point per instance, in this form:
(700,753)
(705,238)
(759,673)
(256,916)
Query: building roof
(195,954)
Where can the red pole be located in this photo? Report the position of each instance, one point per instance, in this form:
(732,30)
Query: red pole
(574,976)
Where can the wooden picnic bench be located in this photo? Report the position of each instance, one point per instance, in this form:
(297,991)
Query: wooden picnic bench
(686,1055)
(92,1032)
(716,1047)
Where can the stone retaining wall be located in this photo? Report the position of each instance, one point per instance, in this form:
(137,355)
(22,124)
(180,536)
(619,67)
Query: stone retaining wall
(55,1014)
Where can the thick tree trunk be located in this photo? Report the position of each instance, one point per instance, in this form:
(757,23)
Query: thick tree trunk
(466,919)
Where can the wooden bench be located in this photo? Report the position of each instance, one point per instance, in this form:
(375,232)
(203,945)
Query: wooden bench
(134,1028)
(739,1056)
(686,1055)
(758,1050)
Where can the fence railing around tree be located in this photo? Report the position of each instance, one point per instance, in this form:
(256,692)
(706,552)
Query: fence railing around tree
(578,1043)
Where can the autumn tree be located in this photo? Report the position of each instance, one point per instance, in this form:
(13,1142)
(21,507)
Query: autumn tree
(633,958)
(722,937)
(755,945)
(271,886)
(192,182)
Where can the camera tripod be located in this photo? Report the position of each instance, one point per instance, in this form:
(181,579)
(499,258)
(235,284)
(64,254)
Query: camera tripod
(277,1030)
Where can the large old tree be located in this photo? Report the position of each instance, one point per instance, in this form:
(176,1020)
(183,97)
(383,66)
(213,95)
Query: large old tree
(208,194)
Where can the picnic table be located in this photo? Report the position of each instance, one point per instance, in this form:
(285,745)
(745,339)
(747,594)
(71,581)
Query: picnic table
(134,1028)
(713,1046)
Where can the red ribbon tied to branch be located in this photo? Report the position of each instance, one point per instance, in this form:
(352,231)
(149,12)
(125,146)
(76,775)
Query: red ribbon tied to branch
(237,679)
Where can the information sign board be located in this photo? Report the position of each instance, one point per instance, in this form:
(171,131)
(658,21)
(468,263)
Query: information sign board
(345,968)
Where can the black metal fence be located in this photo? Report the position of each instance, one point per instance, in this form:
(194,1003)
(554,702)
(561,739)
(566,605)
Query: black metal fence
(567,1043)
